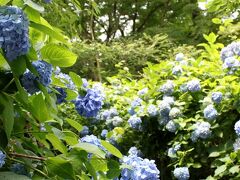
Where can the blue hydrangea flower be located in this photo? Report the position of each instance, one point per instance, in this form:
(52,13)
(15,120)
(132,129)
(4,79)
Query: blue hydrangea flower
(169,100)
(135,122)
(29,80)
(217,97)
(61,96)
(117,121)
(177,70)
(179,57)
(173,150)
(14,33)
(174,113)
(104,133)
(142,91)
(42,127)
(184,88)
(136,102)
(133,151)
(171,126)
(90,104)
(131,111)
(141,169)
(47,1)
(194,85)
(236,144)
(152,110)
(2,159)
(92,140)
(163,120)
(85,82)
(237,128)
(181,173)
(19,169)
(67,80)
(201,130)
(210,113)
(164,108)
(84,131)
(109,113)
(235,48)
(167,88)
(231,50)
(231,62)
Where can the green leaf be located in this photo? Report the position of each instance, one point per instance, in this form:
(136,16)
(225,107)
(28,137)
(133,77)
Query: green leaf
(39,107)
(214,154)
(48,31)
(76,79)
(220,170)
(91,170)
(57,144)
(3,2)
(99,164)
(71,95)
(34,5)
(216,21)
(58,55)
(7,114)
(90,148)
(114,169)
(114,151)
(7,175)
(18,65)
(74,124)
(234,169)
(32,14)
(61,167)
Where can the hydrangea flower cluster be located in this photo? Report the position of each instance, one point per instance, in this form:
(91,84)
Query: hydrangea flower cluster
(84,131)
(194,85)
(210,113)
(231,50)
(181,173)
(133,151)
(177,70)
(152,110)
(172,151)
(84,82)
(217,97)
(104,133)
(169,100)
(115,121)
(136,102)
(237,127)
(135,122)
(142,169)
(174,113)
(90,104)
(164,108)
(171,126)
(167,88)
(201,130)
(14,33)
(236,144)
(142,91)
(179,57)
(231,63)
(109,113)
(29,80)
(67,80)
(2,159)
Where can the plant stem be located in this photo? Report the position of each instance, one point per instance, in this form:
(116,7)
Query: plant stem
(27,156)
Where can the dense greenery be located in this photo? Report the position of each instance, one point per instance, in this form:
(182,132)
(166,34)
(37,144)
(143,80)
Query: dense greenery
(162,109)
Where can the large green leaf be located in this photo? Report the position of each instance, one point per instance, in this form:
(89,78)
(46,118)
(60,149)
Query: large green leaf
(74,124)
(114,151)
(60,167)
(7,175)
(91,149)
(7,113)
(18,65)
(48,31)
(34,5)
(57,144)
(114,169)
(76,79)
(3,2)
(58,55)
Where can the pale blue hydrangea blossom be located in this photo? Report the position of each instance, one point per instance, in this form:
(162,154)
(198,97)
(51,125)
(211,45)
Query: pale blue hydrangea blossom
(142,91)
(152,110)
(173,150)
(201,130)
(179,57)
(237,127)
(177,70)
(171,126)
(210,113)
(194,85)
(2,159)
(174,113)
(167,88)
(181,173)
(217,97)
(135,122)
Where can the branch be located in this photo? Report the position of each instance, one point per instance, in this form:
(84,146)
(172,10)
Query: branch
(27,156)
